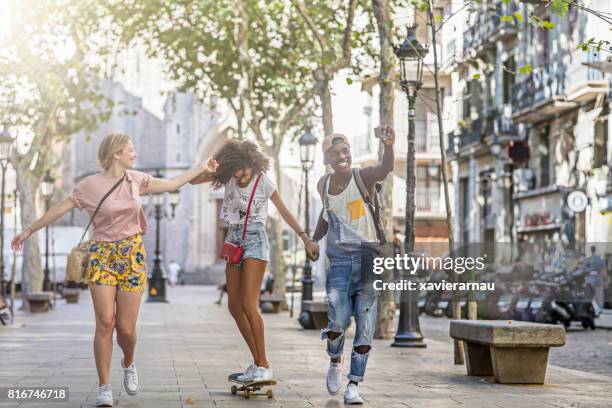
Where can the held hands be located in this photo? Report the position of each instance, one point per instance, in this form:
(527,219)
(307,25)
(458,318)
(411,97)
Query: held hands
(18,240)
(312,249)
(387,135)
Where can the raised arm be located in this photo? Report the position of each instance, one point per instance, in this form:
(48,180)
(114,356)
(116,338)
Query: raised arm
(205,177)
(380,170)
(199,174)
(55,212)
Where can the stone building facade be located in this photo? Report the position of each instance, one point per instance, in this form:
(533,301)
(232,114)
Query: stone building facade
(527,139)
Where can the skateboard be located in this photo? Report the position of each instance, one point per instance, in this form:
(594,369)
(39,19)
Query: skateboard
(250,388)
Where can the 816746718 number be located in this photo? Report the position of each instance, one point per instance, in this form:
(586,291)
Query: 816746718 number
(50,394)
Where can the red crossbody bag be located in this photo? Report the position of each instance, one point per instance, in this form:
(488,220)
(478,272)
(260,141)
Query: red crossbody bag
(232,253)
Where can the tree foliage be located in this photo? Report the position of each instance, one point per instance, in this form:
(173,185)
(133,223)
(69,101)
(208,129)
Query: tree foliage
(48,85)
(48,92)
(250,53)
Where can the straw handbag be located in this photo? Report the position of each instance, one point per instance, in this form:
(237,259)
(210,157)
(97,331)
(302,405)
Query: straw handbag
(77,259)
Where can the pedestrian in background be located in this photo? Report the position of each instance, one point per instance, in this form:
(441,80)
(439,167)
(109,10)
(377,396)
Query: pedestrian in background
(116,268)
(598,276)
(173,272)
(240,168)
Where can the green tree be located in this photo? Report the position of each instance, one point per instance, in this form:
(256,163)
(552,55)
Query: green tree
(331,29)
(249,53)
(383,13)
(48,93)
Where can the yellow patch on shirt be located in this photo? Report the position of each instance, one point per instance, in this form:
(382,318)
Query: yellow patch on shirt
(356,209)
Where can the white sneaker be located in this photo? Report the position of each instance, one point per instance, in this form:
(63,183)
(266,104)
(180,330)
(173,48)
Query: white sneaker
(333,377)
(130,378)
(105,396)
(248,374)
(263,374)
(351,395)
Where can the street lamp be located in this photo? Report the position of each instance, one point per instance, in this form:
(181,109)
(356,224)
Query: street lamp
(307,144)
(410,54)
(46,189)
(157,282)
(173,198)
(6,151)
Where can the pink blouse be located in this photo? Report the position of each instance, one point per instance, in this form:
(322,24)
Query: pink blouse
(121,215)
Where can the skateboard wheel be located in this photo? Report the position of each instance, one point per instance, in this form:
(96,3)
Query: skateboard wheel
(270,394)
(234,389)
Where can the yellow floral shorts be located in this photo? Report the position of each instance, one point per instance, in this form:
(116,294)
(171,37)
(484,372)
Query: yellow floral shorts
(119,263)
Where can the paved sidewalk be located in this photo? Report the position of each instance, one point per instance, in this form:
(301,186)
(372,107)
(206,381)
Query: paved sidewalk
(187,348)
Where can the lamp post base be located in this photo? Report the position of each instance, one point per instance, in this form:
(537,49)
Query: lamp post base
(157,290)
(408,332)
(409,339)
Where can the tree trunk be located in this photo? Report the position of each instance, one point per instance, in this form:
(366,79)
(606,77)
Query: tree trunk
(277,261)
(386,301)
(458,345)
(31,266)
(322,80)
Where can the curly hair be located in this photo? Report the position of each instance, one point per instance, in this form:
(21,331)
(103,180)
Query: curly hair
(235,155)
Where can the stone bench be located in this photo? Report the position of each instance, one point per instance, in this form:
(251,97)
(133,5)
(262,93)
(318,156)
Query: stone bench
(512,351)
(318,313)
(71,295)
(270,303)
(40,302)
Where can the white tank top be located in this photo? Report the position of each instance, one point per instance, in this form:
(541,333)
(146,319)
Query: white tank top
(353,213)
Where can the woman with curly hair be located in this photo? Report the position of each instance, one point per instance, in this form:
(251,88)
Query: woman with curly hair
(240,167)
(116,267)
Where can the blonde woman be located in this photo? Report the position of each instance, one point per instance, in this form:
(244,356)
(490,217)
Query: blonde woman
(116,270)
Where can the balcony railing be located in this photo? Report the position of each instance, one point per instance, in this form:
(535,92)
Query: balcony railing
(473,133)
(505,28)
(499,121)
(481,32)
(428,199)
(451,54)
(581,73)
(536,87)
(505,126)
(426,138)
(450,143)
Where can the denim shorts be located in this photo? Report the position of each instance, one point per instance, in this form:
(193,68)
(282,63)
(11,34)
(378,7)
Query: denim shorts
(256,244)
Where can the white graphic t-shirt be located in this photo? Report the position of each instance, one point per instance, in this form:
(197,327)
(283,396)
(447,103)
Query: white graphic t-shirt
(236,200)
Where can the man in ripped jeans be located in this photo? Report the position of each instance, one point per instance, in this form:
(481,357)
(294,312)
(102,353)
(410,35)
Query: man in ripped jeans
(349,220)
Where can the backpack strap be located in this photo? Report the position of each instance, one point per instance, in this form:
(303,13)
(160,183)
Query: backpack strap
(361,186)
(322,188)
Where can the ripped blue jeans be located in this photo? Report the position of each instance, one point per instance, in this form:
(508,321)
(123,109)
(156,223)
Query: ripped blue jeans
(349,294)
